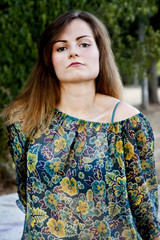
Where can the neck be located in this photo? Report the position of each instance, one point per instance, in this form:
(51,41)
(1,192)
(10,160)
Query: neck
(77,99)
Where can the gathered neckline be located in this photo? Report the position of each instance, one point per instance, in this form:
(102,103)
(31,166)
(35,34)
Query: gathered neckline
(96,122)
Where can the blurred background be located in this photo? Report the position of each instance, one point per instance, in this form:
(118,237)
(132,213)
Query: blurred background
(134,28)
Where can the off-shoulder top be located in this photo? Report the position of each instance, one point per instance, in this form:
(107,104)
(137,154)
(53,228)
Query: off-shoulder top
(87,180)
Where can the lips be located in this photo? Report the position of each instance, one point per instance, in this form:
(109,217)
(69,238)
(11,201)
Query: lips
(74,64)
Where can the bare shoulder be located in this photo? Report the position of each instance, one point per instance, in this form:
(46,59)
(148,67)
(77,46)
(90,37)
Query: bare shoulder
(108,104)
(124,111)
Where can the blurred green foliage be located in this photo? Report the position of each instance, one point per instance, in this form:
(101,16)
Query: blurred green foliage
(22,22)
(158,68)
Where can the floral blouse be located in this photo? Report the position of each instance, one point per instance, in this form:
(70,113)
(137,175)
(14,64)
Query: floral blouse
(87,180)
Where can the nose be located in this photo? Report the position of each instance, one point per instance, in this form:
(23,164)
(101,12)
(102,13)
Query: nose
(73,52)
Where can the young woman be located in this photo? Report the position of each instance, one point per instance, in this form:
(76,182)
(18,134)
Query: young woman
(84,160)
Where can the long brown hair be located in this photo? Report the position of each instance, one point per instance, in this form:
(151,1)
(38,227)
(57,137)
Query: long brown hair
(36,104)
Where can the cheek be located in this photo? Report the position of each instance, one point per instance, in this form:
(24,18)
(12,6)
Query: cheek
(57,63)
(54,61)
(96,62)
(94,56)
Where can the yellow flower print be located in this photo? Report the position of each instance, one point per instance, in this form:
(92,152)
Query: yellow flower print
(86,166)
(71,154)
(156,194)
(55,179)
(76,222)
(114,209)
(142,188)
(69,186)
(129,234)
(80,147)
(134,121)
(101,161)
(119,189)
(82,128)
(138,179)
(141,137)
(151,183)
(39,215)
(35,215)
(87,160)
(52,200)
(97,128)
(102,155)
(98,205)
(102,228)
(82,207)
(47,131)
(115,128)
(61,130)
(89,195)
(97,142)
(136,170)
(81,175)
(121,180)
(32,160)
(136,198)
(120,161)
(101,189)
(129,151)
(18,147)
(145,165)
(145,148)
(56,227)
(119,146)
(152,146)
(143,210)
(55,165)
(30,216)
(60,144)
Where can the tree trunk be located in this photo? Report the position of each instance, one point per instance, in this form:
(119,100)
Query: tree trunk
(135,77)
(145,93)
(153,84)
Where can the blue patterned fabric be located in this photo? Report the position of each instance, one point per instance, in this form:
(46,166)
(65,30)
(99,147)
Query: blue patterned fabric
(87,180)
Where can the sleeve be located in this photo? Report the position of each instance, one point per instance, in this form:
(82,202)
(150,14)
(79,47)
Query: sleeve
(17,145)
(141,177)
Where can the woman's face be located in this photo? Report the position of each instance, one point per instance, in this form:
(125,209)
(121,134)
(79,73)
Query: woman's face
(75,55)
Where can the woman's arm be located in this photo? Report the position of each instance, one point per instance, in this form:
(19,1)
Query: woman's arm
(157,238)
(17,144)
(141,177)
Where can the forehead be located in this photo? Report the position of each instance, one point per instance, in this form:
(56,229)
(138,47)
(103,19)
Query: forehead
(75,28)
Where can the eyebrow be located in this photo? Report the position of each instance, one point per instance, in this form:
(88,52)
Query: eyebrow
(76,39)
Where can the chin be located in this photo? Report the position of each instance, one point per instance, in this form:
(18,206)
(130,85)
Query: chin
(78,78)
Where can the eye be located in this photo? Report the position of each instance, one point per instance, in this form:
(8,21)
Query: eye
(84,45)
(61,49)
